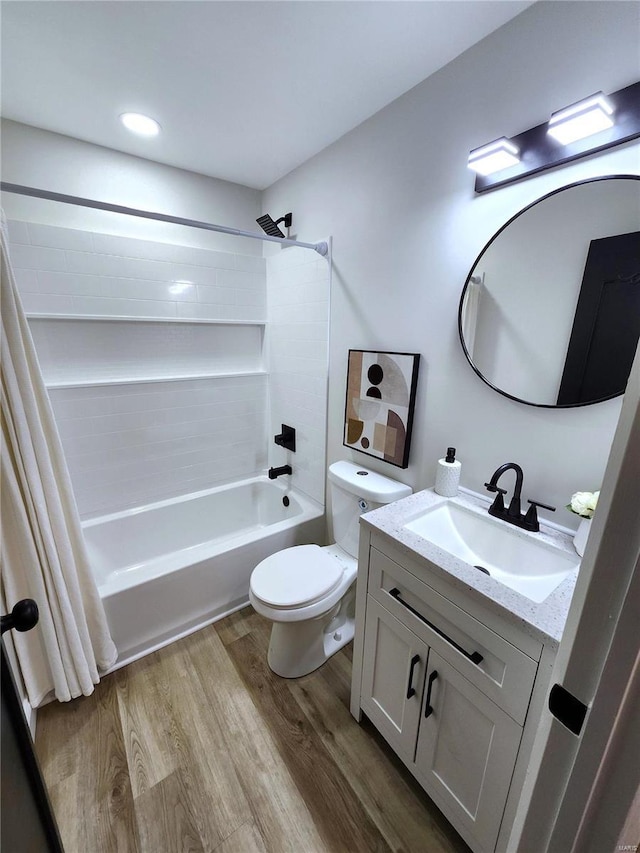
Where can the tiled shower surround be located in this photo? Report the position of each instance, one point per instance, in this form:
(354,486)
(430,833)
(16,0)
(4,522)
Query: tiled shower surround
(297,330)
(165,368)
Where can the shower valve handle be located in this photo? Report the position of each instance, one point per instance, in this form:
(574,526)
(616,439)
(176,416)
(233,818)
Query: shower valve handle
(287,438)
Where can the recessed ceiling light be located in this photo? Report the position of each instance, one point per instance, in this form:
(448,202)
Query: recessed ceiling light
(142,125)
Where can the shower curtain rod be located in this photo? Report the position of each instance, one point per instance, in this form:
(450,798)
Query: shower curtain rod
(320,248)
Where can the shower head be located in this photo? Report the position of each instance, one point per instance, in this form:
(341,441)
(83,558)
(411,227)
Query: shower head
(271,228)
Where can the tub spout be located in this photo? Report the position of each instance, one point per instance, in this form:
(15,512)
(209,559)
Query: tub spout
(276,472)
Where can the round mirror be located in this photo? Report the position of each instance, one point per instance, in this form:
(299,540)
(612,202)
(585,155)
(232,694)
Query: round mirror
(550,311)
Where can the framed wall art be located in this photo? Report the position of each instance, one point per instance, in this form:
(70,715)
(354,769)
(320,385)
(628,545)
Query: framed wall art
(381,392)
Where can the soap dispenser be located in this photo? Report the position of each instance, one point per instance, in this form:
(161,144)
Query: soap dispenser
(448,474)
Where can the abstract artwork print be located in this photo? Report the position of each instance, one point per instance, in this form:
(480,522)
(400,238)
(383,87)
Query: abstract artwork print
(381,390)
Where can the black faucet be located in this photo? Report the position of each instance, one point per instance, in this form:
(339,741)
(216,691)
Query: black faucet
(276,472)
(512,514)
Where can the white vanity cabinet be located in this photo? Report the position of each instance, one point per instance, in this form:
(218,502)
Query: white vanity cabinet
(460,745)
(449,686)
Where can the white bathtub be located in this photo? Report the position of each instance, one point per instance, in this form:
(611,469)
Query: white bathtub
(169,568)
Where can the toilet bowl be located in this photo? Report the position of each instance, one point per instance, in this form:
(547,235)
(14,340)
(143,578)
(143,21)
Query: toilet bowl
(304,591)
(308,592)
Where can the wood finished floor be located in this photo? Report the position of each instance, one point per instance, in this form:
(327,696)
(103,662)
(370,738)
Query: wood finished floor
(200,747)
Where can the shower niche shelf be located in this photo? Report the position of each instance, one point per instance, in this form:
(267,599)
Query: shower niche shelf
(75,352)
(147,380)
(130,318)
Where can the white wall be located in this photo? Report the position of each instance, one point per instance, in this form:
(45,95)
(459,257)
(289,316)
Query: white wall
(50,161)
(398,200)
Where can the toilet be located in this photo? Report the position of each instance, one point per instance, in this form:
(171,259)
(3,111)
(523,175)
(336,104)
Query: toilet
(308,592)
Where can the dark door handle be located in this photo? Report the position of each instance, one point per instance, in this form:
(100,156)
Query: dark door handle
(474,657)
(23,617)
(410,688)
(428,710)
(566,708)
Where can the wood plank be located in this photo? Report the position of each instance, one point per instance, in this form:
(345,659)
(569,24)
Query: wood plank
(207,766)
(169,733)
(402,812)
(146,723)
(246,839)
(239,624)
(65,796)
(279,810)
(62,728)
(61,745)
(86,735)
(166,818)
(338,814)
(115,823)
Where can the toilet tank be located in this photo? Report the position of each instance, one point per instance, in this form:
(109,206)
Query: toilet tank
(355,490)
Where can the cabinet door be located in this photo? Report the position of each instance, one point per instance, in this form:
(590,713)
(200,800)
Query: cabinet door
(466,752)
(394,666)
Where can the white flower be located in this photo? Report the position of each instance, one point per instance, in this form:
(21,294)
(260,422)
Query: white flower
(584,503)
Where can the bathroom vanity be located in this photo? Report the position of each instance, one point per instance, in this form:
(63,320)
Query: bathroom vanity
(451,665)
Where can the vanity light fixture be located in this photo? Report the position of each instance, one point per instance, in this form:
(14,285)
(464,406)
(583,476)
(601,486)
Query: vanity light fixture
(592,124)
(584,118)
(494,157)
(140,124)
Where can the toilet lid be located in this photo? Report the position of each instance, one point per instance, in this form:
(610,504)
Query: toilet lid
(295,576)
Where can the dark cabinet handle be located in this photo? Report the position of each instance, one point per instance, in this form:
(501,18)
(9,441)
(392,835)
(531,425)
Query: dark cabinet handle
(428,710)
(474,657)
(410,688)
(23,617)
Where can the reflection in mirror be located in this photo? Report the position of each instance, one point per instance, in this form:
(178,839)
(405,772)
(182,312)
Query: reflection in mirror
(550,312)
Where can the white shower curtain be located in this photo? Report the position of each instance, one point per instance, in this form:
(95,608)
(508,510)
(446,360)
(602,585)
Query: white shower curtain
(43,552)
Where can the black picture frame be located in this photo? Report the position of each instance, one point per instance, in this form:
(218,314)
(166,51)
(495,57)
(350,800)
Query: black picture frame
(378,419)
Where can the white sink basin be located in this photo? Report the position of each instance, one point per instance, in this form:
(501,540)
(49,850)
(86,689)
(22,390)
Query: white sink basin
(527,565)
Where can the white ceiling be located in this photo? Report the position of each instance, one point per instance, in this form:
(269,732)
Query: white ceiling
(244,91)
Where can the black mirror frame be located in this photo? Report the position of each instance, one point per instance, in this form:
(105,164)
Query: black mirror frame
(475,263)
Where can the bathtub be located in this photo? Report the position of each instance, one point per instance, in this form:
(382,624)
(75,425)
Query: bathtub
(169,568)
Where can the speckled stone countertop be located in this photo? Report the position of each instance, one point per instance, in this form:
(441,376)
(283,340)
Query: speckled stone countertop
(544,621)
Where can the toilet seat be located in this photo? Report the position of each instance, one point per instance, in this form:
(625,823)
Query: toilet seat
(296,577)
